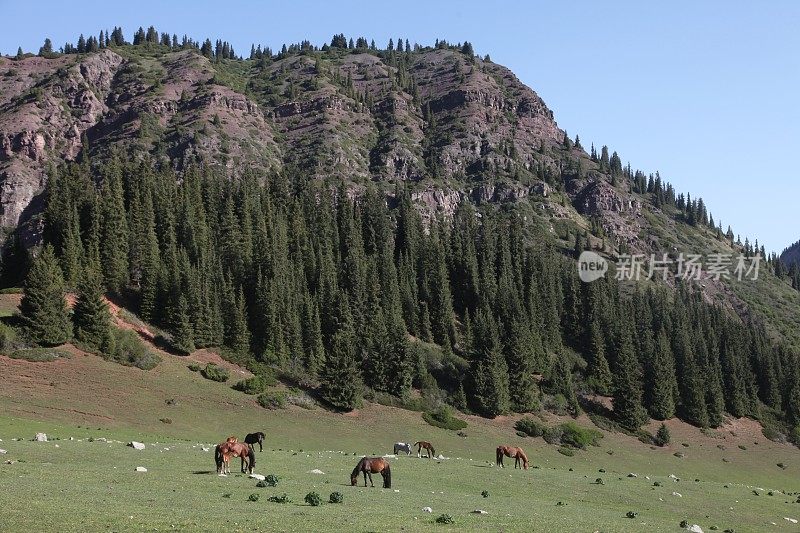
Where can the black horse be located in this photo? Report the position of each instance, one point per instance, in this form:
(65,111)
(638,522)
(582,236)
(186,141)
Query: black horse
(255,438)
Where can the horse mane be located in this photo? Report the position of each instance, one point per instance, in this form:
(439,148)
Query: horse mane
(358,467)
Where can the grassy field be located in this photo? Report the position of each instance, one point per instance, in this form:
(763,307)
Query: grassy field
(70,485)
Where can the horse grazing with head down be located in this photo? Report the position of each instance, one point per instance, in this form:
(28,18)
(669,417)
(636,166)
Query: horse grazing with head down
(231,448)
(402,447)
(427,446)
(255,438)
(369,466)
(511,451)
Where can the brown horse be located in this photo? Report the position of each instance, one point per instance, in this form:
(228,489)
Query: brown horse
(369,466)
(511,451)
(230,448)
(427,446)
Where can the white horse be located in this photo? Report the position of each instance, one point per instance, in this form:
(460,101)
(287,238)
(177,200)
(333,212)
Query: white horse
(402,447)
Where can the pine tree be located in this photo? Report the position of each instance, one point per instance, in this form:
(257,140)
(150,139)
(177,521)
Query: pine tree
(114,232)
(91,317)
(660,380)
(598,371)
(238,338)
(182,332)
(43,308)
(488,369)
(520,357)
(627,398)
(341,384)
(561,381)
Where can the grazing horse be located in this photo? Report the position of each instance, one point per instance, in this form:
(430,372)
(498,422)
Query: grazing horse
(255,438)
(230,448)
(369,466)
(424,445)
(402,447)
(511,451)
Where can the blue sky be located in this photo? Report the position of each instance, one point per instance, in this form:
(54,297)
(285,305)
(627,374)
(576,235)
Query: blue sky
(704,92)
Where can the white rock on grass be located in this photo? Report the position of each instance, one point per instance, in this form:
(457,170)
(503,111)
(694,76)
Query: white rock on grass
(427,510)
(141,469)
(479,511)
(258,477)
(136,445)
(315,471)
(678,494)
(40,437)
(792,520)
(206,449)
(694,528)
(3,452)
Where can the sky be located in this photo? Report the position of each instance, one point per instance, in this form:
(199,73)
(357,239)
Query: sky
(703,92)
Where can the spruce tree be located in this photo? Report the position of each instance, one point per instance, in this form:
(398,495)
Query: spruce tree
(43,308)
(561,381)
(627,382)
(660,380)
(598,371)
(182,332)
(341,384)
(520,357)
(91,317)
(488,369)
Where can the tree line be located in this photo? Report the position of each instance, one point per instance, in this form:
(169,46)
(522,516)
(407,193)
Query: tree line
(353,293)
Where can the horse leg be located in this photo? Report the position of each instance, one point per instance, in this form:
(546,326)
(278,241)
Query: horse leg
(371,484)
(365,478)
(260,446)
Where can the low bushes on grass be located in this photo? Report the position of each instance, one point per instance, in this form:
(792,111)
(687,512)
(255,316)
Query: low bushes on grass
(444,519)
(253,497)
(215,373)
(553,435)
(336,497)
(39,355)
(194,367)
(313,499)
(569,452)
(530,427)
(301,399)
(272,400)
(254,385)
(443,418)
(579,437)
(283,498)
(126,348)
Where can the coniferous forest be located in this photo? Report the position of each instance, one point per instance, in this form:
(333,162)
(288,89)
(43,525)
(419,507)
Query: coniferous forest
(355,296)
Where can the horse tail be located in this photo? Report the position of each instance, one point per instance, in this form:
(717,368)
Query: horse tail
(387,477)
(218,457)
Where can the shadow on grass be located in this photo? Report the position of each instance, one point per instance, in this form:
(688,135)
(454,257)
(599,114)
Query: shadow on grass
(204,472)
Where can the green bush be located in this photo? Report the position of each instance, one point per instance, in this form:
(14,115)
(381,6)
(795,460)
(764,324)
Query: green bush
(485,493)
(126,348)
(336,497)
(283,498)
(253,497)
(313,499)
(443,418)
(215,373)
(272,400)
(569,452)
(194,367)
(662,437)
(9,339)
(794,435)
(530,427)
(39,355)
(444,519)
(254,385)
(272,480)
(553,435)
(579,437)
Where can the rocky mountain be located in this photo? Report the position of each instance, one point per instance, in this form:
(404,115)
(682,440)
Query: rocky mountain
(448,124)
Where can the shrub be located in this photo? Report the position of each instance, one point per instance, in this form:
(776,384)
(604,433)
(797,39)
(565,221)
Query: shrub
(569,452)
(485,493)
(313,499)
(794,435)
(262,484)
(301,399)
(530,427)
(165,420)
(662,437)
(283,498)
(194,367)
(253,497)
(272,480)
(126,348)
(39,355)
(444,519)
(336,497)
(215,373)
(9,339)
(443,418)
(553,435)
(254,385)
(272,400)
(579,437)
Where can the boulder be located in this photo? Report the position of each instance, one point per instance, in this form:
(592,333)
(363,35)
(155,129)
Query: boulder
(257,476)
(141,469)
(694,528)
(40,437)
(3,452)
(427,509)
(792,520)
(136,445)
(315,471)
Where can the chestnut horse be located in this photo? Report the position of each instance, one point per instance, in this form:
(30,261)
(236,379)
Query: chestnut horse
(424,445)
(369,466)
(511,451)
(231,448)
